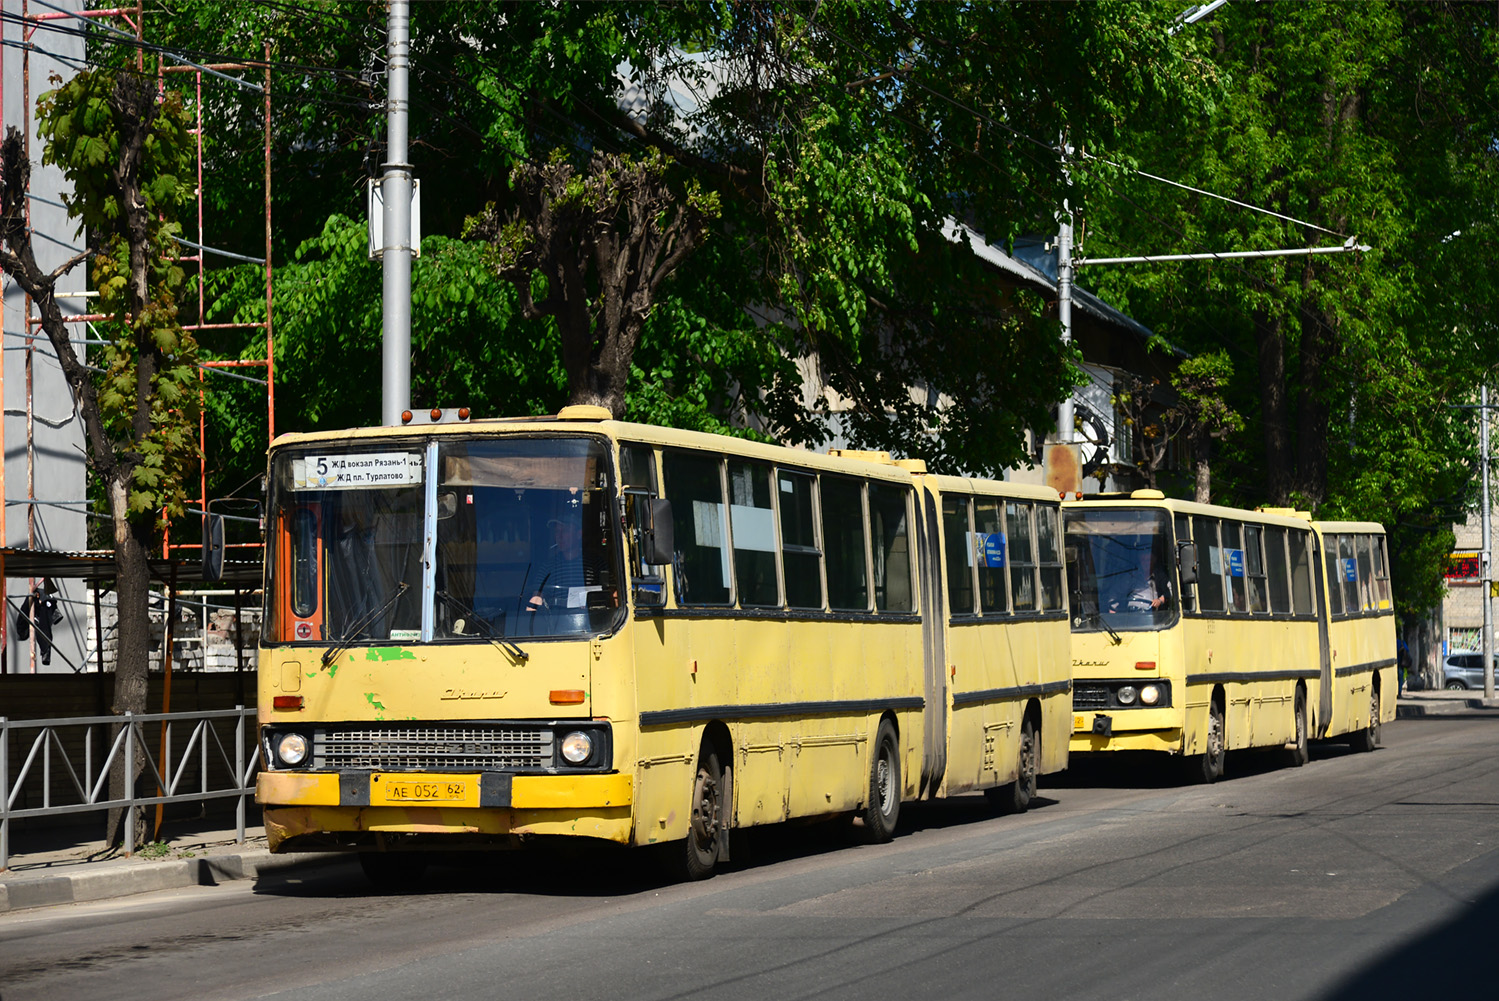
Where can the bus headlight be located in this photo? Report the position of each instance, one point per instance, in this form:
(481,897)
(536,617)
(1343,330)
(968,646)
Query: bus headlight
(292,749)
(1126,695)
(577,747)
(1150,695)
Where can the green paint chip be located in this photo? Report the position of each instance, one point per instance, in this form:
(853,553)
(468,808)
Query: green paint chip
(389,653)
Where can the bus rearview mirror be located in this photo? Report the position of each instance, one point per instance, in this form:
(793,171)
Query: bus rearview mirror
(213,547)
(1186,560)
(658,543)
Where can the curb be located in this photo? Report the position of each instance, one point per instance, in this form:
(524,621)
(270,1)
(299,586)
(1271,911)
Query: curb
(1417,708)
(25,892)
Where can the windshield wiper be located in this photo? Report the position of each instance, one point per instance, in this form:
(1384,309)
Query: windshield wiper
(333,652)
(1098,618)
(496,637)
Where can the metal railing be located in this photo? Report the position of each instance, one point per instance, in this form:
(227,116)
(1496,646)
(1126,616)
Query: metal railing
(220,771)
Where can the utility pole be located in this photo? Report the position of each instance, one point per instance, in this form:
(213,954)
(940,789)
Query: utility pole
(1065,421)
(395,353)
(1488,573)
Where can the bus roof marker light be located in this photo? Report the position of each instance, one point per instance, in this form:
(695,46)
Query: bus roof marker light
(405,417)
(436,415)
(463,413)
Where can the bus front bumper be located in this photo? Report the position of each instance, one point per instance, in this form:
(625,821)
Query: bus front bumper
(308,810)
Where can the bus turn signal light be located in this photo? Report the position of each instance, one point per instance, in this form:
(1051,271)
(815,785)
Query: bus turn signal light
(1144,665)
(567,696)
(287,702)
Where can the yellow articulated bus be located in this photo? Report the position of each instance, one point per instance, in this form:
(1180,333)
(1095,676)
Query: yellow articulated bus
(479,633)
(1199,629)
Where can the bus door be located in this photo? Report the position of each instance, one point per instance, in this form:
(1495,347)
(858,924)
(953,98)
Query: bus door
(934,648)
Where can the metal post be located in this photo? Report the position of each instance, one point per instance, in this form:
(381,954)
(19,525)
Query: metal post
(395,379)
(1488,572)
(1064,313)
(4,794)
(239,774)
(130,784)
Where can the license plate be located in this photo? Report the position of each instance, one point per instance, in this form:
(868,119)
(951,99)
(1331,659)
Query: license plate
(1079,723)
(409,790)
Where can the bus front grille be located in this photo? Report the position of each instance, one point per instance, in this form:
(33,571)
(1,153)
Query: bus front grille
(435,749)
(1085,696)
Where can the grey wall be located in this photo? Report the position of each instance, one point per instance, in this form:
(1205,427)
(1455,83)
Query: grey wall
(56,476)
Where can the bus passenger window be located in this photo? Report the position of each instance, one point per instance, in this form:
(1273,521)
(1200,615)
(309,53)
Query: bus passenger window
(843,544)
(1381,572)
(1302,588)
(958,548)
(1231,533)
(1275,564)
(1348,574)
(1021,555)
(1049,557)
(1211,563)
(698,521)
(989,555)
(801,560)
(1254,570)
(892,550)
(754,530)
(1365,574)
(1334,575)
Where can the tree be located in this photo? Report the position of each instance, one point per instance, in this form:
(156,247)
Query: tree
(125,155)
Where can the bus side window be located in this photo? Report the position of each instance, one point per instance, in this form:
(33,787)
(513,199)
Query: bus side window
(1365,574)
(990,555)
(958,548)
(1275,564)
(1301,573)
(752,520)
(1381,572)
(304,554)
(637,481)
(1021,554)
(1049,556)
(1184,535)
(1348,574)
(694,485)
(1334,576)
(843,540)
(888,507)
(1210,570)
(1254,570)
(1232,534)
(801,559)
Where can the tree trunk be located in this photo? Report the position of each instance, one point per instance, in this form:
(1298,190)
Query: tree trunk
(133,638)
(1269,337)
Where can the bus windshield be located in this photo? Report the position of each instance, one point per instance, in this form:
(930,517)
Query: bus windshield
(1119,569)
(523,545)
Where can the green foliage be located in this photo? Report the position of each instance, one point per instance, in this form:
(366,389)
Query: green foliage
(148,389)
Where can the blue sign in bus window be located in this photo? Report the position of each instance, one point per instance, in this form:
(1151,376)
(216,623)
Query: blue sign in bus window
(1235,562)
(1350,570)
(994,550)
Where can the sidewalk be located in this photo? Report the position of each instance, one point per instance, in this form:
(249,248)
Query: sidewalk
(1438,702)
(66,865)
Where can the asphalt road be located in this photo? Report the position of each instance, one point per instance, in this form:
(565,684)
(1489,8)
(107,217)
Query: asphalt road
(1364,876)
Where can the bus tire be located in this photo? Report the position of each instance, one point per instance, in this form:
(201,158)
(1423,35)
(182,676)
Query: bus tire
(699,855)
(394,870)
(1367,739)
(1016,796)
(882,805)
(1300,751)
(1207,767)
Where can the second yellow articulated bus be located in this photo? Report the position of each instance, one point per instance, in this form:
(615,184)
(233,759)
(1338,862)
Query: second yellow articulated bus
(481,633)
(1199,629)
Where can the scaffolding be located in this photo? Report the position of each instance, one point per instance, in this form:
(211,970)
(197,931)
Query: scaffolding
(190,78)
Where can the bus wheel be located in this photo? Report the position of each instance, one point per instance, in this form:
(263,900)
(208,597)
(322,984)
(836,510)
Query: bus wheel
(1208,766)
(1367,739)
(1300,752)
(393,870)
(1016,796)
(883,804)
(700,857)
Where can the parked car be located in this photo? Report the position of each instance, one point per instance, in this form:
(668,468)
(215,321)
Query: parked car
(1462,669)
